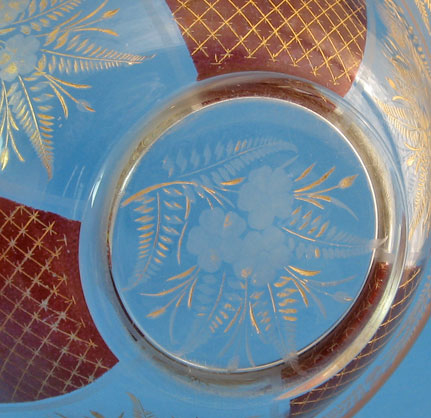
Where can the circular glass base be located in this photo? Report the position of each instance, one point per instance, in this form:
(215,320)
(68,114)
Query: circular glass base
(245,227)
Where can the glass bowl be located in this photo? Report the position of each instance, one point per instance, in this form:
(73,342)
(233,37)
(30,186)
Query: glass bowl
(211,208)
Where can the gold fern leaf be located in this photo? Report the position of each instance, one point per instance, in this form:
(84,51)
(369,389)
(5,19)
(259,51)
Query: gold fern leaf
(63,51)
(4,158)
(407,113)
(138,410)
(39,15)
(424,7)
(5,31)
(93,58)
(28,119)
(32,8)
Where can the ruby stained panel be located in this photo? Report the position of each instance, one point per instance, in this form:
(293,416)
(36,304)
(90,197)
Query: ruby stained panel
(49,344)
(320,40)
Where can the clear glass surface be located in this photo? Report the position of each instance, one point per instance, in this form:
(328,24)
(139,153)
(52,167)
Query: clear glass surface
(211,208)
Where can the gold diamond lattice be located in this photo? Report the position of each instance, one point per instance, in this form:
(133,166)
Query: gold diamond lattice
(322,40)
(48,343)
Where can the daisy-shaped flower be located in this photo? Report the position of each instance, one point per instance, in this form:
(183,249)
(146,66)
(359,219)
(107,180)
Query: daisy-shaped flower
(262,255)
(266,195)
(216,239)
(18,56)
(10,9)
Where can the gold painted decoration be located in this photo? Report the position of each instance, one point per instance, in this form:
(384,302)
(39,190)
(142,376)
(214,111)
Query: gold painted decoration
(322,41)
(49,344)
(43,44)
(424,8)
(234,237)
(315,400)
(408,113)
(251,294)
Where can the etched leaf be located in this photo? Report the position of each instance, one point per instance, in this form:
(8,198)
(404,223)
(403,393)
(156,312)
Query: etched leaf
(225,308)
(92,58)
(212,311)
(32,7)
(8,126)
(83,54)
(61,40)
(317,191)
(60,25)
(41,65)
(181,161)
(52,36)
(39,14)
(22,106)
(408,113)
(311,289)
(138,409)
(43,5)
(424,7)
(4,158)
(224,162)
(275,312)
(110,13)
(403,120)
(319,239)
(162,219)
(5,31)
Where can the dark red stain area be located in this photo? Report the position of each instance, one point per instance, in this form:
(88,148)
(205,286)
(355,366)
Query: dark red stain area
(49,344)
(321,41)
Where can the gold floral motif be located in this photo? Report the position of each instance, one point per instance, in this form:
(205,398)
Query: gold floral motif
(408,112)
(241,253)
(39,41)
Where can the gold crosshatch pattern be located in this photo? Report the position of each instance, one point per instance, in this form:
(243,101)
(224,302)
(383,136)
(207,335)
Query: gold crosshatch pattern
(48,344)
(320,40)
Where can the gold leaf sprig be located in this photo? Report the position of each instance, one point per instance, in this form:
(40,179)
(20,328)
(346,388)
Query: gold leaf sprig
(27,103)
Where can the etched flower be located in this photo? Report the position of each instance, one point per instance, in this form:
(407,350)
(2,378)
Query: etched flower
(216,239)
(266,195)
(9,10)
(18,56)
(261,256)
